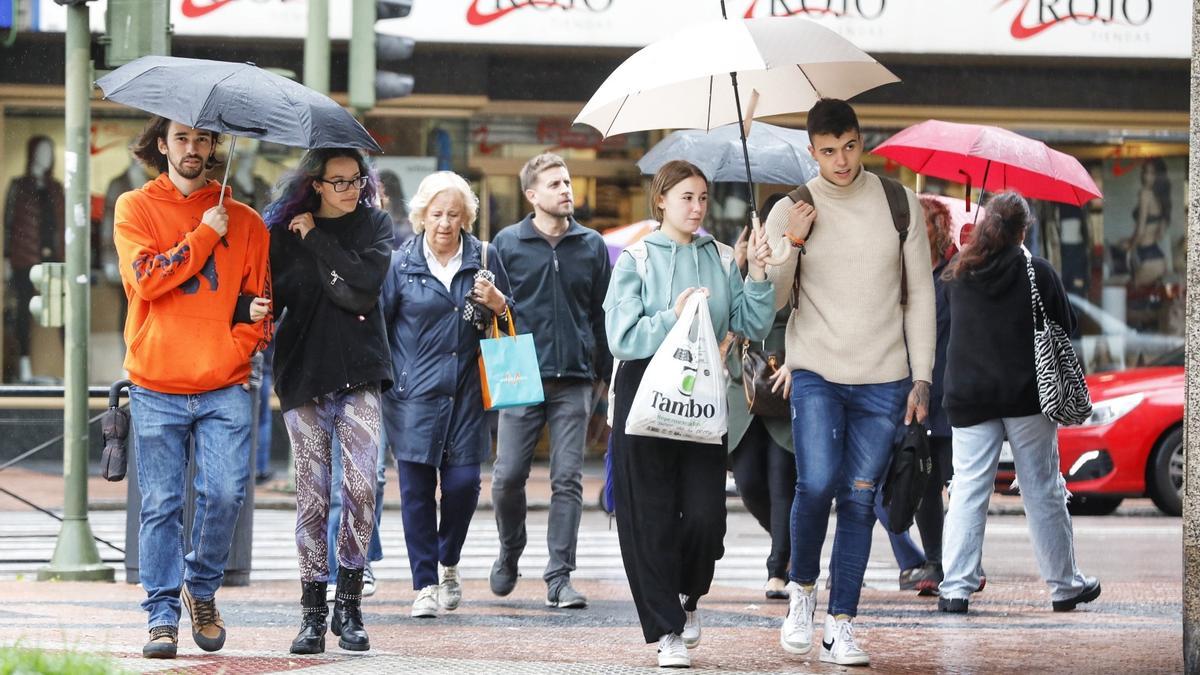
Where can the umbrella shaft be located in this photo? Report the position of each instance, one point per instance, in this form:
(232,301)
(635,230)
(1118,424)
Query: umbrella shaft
(737,102)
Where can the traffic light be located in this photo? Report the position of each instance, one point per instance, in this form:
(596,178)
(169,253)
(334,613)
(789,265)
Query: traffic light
(48,306)
(136,28)
(368,49)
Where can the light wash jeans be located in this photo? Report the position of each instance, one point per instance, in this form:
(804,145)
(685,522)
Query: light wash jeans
(220,422)
(1034,441)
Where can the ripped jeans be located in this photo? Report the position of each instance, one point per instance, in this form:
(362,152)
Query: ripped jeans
(843,435)
(1034,441)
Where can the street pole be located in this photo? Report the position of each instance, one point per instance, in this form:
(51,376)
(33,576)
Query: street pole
(316,47)
(75,555)
(1191,418)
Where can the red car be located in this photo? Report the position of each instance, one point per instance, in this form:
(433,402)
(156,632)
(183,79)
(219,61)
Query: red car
(1131,446)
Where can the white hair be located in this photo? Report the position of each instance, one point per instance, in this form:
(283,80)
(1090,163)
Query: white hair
(433,185)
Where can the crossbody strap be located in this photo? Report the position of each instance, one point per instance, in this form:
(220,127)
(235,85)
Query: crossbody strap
(1037,305)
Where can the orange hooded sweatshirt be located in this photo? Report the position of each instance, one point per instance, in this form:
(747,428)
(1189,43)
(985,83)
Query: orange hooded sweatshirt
(183,284)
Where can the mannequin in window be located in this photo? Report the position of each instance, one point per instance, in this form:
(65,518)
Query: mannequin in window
(248,187)
(1151,218)
(33,233)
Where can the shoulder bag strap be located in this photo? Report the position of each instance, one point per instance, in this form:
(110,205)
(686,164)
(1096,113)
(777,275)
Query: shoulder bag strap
(898,205)
(800,194)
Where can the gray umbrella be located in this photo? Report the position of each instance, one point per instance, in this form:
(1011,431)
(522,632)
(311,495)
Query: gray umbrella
(777,155)
(239,99)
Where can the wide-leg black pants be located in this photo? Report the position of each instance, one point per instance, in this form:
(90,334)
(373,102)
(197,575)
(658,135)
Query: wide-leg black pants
(670,508)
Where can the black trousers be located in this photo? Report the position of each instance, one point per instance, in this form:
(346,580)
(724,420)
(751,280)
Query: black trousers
(670,509)
(931,516)
(766,479)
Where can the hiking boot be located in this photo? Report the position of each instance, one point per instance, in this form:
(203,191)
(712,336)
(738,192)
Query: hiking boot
(503,577)
(311,639)
(564,596)
(208,630)
(672,653)
(838,645)
(347,621)
(953,605)
(163,644)
(776,589)
(691,625)
(795,636)
(426,604)
(450,590)
(1091,591)
(369,582)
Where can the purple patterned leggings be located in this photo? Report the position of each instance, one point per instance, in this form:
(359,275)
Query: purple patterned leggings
(354,415)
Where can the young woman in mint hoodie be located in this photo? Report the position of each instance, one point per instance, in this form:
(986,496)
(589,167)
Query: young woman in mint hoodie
(670,495)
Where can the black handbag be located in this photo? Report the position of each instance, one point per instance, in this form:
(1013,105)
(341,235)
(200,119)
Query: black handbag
(114,426)
(758,367)
(908,474)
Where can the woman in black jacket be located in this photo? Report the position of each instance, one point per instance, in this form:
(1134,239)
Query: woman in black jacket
(330,248)
(991,394)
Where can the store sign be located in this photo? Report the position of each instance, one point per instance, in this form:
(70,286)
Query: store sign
(1088,28)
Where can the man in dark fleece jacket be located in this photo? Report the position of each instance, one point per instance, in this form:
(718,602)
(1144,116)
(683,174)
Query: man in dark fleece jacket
(559,273)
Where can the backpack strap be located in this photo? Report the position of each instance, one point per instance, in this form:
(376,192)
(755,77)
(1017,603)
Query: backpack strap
(725,253)
(800,194)
(897,198)
(638,252)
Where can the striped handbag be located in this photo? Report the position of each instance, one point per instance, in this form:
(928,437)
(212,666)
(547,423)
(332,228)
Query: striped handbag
(1062,390)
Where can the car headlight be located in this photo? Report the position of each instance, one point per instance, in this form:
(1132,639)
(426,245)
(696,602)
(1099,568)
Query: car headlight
(1113,409)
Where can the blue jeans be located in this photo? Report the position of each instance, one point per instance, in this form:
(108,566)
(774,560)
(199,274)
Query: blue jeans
(262,458)
(162,423)
(843,435)
(1034,442)
(375,550)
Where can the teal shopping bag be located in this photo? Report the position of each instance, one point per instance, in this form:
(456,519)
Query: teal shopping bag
(508,369)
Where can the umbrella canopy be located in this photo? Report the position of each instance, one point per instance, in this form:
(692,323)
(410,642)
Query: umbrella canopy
(683,81)
(777,154)
(235,98)
(993,158)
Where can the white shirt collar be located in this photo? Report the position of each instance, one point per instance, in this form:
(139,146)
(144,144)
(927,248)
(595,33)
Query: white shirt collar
(443,273)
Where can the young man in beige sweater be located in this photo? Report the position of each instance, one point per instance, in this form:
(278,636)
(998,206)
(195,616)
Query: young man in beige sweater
(861,363)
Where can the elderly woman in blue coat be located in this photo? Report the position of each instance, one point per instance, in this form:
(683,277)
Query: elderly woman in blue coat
(435,301)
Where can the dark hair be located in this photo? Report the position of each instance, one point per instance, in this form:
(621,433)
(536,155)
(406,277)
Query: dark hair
(145,146)
(294,193)
(1004,225)
(937,226)
(669,175)
(31,148)
(831,116)
(389,184)
(1161,187)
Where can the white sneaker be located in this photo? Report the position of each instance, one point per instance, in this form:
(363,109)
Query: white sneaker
(426,604)
(369,582)
(672,653)
(691,626)
(450,590)
(838,646)
(795,636)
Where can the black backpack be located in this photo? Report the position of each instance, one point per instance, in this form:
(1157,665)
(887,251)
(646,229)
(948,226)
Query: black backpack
(897,204)
(908,475)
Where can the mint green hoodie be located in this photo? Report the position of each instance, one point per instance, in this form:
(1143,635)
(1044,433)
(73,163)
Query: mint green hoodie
(638,314)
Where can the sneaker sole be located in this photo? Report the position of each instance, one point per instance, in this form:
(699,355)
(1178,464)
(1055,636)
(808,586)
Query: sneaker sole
(690,643)
(674,662)
(424,614)
(159,653)
(853,661)
(571,604)
(792,649)
(449,607)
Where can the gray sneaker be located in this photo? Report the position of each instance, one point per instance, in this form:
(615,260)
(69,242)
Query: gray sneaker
(503,578)
(564,596)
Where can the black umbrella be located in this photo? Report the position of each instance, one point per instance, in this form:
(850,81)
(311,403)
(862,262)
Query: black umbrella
(239,99)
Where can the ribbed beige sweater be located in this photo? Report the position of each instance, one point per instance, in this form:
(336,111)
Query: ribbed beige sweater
(849,326)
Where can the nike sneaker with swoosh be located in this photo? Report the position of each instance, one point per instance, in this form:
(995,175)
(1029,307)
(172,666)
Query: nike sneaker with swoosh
(838,645)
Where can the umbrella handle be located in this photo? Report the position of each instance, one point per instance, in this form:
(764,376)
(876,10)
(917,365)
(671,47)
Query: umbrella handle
(776,259)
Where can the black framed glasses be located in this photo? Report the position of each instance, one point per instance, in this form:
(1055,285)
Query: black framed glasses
(343,185)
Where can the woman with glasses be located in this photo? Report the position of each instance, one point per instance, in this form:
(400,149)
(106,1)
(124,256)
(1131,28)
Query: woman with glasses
(330,248)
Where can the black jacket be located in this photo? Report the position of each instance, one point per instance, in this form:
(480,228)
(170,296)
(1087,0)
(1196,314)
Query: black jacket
(989,362)
(559,295)
(331,334)
(937,423)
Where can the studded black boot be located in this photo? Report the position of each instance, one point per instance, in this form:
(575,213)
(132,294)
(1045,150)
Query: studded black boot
(347,621)
(311,639)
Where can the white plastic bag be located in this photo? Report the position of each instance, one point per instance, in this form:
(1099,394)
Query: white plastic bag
(682,393)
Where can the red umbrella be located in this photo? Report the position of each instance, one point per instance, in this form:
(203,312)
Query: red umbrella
(993,158)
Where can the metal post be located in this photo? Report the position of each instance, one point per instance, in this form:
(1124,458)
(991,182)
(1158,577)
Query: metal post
(362,56)
(1191,418)
(316,47)
(75,555)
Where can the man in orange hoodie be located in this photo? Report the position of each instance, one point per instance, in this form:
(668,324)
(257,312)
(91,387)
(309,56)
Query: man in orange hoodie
(199,287)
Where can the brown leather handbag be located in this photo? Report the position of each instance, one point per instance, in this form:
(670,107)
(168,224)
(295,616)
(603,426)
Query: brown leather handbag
(758,367)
